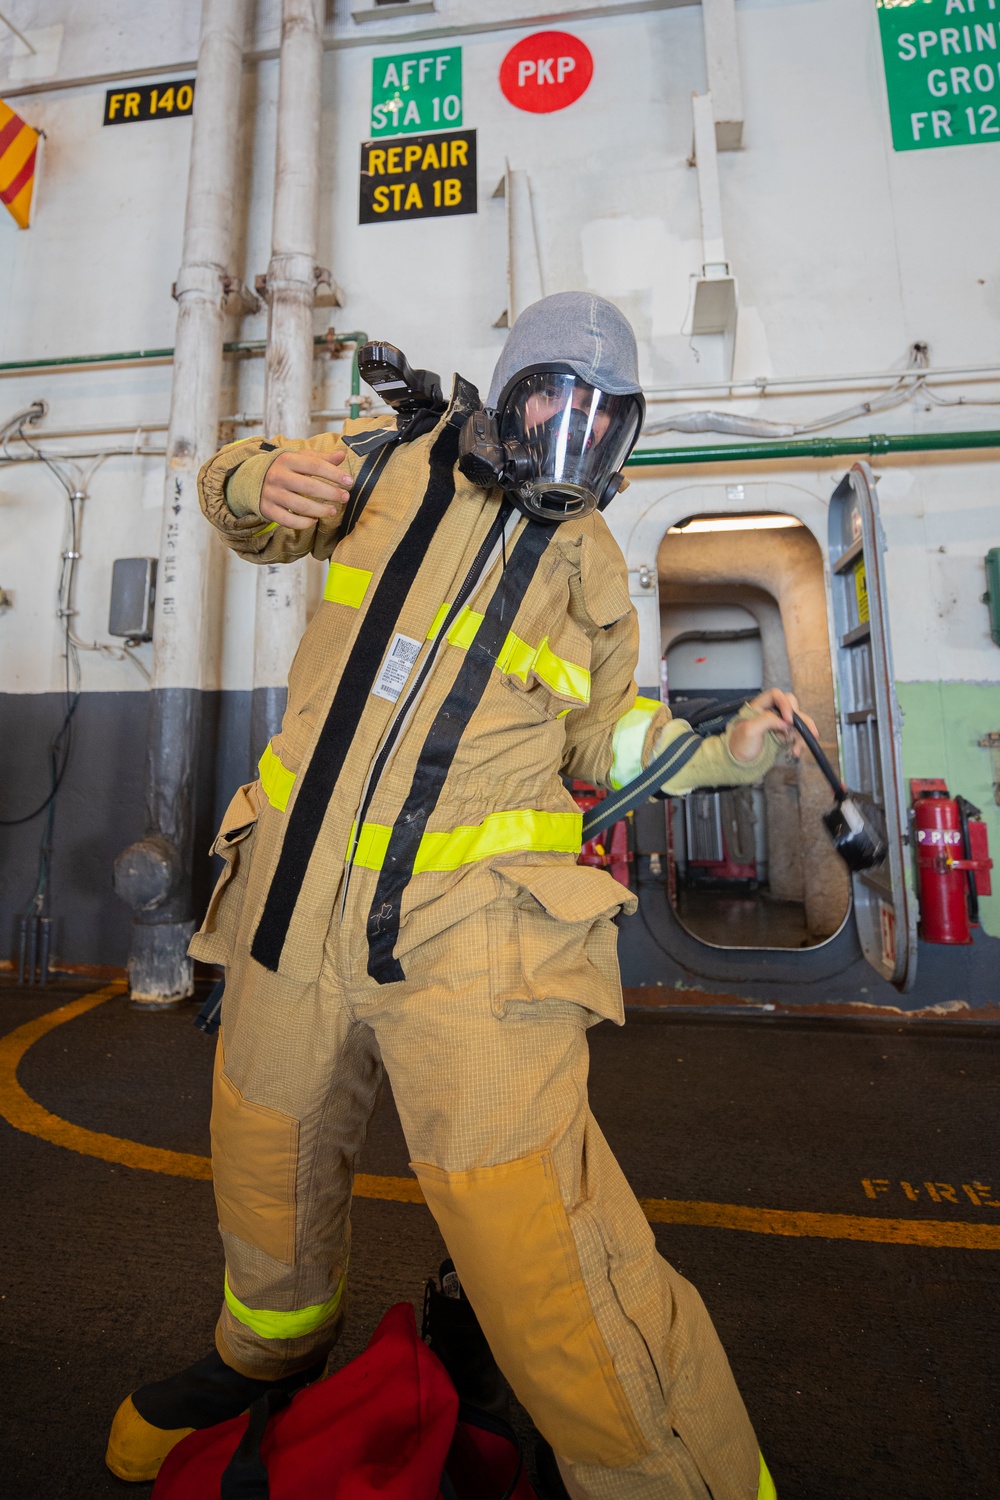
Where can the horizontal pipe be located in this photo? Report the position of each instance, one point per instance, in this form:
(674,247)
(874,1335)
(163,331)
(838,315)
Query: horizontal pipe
(74,361)
(874,445)
(161,356)
(160,424)
(37,458)
(761,386)
(765,385)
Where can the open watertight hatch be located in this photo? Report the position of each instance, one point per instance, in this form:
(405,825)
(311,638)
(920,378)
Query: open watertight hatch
(743,885)
(871,723)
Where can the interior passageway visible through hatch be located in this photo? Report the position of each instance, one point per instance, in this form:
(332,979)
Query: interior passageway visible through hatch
(743,607)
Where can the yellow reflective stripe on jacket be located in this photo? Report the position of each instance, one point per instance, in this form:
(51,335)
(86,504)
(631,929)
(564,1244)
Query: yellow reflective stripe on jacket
(346,585)
(629,739)
(765,1486)
(276,779)
(517,659)
(373,842)
(462,632)
(282,1325)
(263,530)
(498,833)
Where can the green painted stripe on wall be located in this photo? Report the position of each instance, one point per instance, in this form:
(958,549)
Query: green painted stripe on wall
(943,723)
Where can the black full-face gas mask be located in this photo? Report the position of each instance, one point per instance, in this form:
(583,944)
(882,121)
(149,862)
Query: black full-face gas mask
(555,444)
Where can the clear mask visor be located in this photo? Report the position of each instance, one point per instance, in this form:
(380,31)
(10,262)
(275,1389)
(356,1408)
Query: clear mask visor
(575,437)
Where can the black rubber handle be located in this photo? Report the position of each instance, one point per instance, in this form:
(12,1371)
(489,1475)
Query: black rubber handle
(819,756)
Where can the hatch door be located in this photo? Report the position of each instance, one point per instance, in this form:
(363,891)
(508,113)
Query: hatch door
(871,723)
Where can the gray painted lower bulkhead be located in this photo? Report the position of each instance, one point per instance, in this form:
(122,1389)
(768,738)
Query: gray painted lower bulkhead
(101,809)
(654,949)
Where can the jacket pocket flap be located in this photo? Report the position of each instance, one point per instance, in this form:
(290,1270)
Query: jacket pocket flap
(571,893)
(605,590)
(239,818)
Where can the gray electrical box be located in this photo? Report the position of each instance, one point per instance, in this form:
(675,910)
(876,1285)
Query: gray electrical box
(133,594)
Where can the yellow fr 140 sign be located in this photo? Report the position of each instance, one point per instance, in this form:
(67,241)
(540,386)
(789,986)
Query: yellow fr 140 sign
(418,177)
(150,101)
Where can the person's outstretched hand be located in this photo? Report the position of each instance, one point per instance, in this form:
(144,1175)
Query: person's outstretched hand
(773,711)
(303,488)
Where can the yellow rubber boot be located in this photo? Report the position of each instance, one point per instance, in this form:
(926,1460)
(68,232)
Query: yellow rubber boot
(136,1448)
(155,1418)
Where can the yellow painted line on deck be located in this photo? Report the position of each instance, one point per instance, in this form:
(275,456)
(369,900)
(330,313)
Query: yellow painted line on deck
(941,1234)
(24,1113)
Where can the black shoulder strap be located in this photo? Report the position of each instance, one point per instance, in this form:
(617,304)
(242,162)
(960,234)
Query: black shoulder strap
(378,447)
(245,1475)
(368,477)
(634,793)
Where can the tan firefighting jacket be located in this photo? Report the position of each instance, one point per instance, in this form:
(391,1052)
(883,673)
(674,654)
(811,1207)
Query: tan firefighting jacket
(420,761)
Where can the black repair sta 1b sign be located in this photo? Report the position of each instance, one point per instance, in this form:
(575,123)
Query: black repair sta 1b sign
(418,177)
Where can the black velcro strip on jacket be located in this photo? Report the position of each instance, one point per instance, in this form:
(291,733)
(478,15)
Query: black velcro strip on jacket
(357,680)
(634,793)
(450,723)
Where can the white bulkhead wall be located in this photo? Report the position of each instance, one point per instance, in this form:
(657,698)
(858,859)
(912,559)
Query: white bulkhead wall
(845,253)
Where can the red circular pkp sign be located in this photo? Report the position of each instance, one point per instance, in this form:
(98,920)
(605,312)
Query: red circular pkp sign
(546,71)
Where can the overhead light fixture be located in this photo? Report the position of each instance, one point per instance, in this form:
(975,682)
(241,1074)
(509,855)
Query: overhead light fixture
(733,523)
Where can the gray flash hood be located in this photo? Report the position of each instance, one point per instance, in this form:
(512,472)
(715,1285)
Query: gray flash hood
(575,328)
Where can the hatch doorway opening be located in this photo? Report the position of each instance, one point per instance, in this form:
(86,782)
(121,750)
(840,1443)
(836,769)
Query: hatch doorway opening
(742,607)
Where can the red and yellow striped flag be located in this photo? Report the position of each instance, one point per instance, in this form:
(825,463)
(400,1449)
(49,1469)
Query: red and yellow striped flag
(18,154)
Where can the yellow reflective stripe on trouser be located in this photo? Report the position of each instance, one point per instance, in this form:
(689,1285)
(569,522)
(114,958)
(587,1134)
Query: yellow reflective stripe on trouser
(346,585)
(765,1486)
(629,739)
(517,659)
(462,632)
(282,1325)
(276,779)
(498,833)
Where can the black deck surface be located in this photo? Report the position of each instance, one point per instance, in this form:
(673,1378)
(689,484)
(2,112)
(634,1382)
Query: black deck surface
(870,1370)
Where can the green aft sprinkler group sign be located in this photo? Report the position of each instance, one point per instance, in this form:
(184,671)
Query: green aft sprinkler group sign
(417,91)
(942,71)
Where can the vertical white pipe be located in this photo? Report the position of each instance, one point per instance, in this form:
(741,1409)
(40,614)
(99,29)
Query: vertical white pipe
(280,617)
(154,876)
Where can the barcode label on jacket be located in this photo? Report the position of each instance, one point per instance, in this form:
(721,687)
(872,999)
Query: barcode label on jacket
(396,668)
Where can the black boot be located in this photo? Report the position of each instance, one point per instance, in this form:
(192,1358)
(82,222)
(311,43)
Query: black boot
(452,1330)
(155,1417)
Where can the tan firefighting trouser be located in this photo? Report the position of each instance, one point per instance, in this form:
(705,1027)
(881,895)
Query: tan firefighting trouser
(609,1349)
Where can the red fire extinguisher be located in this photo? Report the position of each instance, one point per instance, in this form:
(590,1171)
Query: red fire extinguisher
(953,863)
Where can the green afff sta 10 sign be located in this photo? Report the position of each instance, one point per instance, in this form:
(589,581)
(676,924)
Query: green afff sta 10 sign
(942,71)
(417,91)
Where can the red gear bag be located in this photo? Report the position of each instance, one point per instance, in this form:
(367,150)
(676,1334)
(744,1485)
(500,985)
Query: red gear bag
(387,1426)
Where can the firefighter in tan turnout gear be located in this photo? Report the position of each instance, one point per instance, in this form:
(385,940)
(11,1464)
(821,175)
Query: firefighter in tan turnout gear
(401,891)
